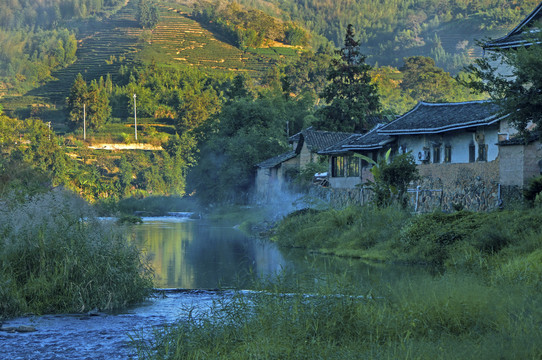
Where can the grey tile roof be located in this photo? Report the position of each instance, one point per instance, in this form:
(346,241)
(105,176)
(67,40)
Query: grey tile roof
(317,140)
(434,118)
(521,35)
(274,161)
(358,142)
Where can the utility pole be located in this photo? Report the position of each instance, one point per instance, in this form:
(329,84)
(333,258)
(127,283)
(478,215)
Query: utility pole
(135,117)
(84,122)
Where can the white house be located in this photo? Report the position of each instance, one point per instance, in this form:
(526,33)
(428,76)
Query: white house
(464,132)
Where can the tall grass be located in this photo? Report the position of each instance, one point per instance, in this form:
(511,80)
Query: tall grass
(56,257)
(447,317)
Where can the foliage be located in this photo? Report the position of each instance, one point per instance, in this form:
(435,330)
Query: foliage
(147,14)
(248,28)
(56,257)
(350,94)
(426,317)
(88,103)
(29,57)
(391,178)
(247,131)
(518,93)
(393,30)
(533,189)
(424,81)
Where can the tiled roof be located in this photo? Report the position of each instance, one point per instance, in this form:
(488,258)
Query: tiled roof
(317,140)
(434,118)
(369,141)
(274,161)
(521,35)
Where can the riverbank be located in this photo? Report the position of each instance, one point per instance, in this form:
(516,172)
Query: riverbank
(57,257)
(483,300)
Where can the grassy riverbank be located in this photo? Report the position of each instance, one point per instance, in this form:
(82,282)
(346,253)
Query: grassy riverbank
(484,302)
(56,257)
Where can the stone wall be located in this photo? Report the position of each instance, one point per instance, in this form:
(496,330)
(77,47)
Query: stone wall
(449,187)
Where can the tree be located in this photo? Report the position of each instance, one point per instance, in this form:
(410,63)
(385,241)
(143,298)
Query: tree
(76,101)
(391,178)
(424,81)
(519,94)
(147,14)
(350,94)
(98,108)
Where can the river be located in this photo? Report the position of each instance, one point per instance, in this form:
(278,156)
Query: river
(192,259)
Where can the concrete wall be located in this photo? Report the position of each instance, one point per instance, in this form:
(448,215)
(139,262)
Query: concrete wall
(471,186)
(520,163)
(459,142)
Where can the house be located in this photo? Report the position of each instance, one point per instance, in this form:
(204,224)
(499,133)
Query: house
(454,144)
(520,36)
(272,175)
(347,170)
(525,34)
(464,132)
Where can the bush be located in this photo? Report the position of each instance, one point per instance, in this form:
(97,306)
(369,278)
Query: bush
(57,257)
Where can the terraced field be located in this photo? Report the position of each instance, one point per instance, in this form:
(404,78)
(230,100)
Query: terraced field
(178,39)
(100,42)
(106,45)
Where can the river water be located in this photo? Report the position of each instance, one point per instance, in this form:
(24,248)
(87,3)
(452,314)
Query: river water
(191,259)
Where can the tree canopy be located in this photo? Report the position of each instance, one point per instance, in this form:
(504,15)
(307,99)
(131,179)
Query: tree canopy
(350,94)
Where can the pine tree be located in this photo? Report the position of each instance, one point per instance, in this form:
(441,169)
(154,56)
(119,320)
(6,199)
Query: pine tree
(350,95)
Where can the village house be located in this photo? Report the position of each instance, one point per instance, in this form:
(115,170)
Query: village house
(347,170)
(525,34)
(272,175)
(454,144)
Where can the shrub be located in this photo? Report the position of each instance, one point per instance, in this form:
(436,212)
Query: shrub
(59,258)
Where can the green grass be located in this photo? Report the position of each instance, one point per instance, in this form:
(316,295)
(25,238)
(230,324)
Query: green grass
(56,257)
(445,317)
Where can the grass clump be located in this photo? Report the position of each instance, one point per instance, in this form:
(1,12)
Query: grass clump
(55,256)
(348,232)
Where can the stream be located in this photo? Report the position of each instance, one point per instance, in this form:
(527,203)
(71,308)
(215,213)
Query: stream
(191,260)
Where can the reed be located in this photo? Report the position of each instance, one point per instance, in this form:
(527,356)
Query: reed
(55,256)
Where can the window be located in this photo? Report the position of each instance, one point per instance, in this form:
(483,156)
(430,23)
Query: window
(447,153)
(472,153)
(337,166)
(436,154)
(482,152)
(352,166)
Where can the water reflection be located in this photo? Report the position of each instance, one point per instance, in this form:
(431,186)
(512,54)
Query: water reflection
(193,255)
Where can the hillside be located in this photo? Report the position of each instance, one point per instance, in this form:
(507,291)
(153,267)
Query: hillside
(117,41)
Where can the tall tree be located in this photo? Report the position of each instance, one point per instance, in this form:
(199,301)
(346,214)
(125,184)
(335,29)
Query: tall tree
(350,94)
(76,100)
(99,110)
